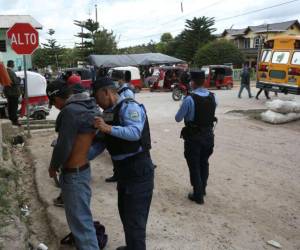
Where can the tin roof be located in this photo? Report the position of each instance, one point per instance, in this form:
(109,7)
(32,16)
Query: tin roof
(6,21)
(263,28)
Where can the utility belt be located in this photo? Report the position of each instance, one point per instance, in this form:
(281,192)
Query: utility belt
(195,132)
(75,170)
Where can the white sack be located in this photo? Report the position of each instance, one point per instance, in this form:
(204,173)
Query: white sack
(284,107)
(278,118)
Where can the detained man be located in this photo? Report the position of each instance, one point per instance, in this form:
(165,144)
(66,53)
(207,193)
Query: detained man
(74,125)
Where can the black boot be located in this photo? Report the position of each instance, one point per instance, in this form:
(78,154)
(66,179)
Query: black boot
(113,178)
(198,200)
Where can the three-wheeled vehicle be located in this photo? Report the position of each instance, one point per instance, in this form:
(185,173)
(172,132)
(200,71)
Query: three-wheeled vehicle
(37,97)
(85,75)
(166,76)
(135,82)
(218,76)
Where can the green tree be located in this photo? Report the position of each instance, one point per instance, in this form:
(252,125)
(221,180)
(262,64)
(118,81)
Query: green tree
(164,43)
(218,52)
(105,42)
(197,32)
(40,58)
(52,50)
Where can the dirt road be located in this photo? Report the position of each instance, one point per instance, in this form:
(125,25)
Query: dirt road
(253,192)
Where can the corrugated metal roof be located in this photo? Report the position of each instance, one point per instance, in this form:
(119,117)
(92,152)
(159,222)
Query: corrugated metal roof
(6,21)
(273,27)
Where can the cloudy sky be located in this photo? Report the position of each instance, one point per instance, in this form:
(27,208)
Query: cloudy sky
(138,21)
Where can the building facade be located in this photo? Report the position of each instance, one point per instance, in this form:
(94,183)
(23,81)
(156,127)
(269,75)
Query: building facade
(6,52)
(249,39)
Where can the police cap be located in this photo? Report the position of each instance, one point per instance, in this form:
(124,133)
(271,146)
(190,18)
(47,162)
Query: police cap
(197,75)
(103,82)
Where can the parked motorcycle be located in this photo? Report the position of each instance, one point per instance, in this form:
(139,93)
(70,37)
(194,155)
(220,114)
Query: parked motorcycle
(179,90)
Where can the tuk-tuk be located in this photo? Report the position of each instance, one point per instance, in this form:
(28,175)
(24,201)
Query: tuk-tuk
(218,76)
(37,97)
(85,75)
(165,77)
(135,76)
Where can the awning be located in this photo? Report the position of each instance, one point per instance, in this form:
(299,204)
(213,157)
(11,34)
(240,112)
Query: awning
(109,61)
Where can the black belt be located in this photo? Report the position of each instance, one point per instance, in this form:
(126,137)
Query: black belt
(76,170)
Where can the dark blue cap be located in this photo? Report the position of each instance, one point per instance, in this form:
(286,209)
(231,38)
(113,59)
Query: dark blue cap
(197,75)
(103,82)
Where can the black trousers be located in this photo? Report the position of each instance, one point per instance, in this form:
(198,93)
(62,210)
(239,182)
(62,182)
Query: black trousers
(265,91)
(13,103)
(134,199)
(197,153)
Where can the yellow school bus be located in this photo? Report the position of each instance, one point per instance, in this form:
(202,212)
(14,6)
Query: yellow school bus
(279,65)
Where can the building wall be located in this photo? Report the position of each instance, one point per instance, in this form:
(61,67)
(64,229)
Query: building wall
(11,55)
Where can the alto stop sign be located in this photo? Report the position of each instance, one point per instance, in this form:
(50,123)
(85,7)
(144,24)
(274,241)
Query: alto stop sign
(24,38)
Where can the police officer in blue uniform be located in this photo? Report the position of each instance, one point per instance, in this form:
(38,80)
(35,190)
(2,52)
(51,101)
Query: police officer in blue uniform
(127,139)
(198,112)
(123,79)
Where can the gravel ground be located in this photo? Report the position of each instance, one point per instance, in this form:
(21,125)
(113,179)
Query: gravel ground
(253,193)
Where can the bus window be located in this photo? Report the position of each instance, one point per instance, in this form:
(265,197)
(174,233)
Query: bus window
(266,56)
(296,58)
(280,57)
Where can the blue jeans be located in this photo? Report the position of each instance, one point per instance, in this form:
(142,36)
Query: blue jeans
(76,193)
(247,87)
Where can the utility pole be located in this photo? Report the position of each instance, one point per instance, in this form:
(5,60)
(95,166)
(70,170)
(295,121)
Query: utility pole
(96,13)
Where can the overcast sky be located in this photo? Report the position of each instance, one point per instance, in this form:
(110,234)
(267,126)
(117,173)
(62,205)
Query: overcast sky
(138,21)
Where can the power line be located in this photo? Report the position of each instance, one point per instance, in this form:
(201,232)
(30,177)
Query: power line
(218,20)
(258,10)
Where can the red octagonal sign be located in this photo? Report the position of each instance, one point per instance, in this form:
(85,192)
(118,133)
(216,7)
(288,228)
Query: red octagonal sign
(24,38)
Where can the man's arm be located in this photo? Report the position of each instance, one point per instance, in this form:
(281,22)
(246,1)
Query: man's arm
(184,109)
(67,132)
(132,123)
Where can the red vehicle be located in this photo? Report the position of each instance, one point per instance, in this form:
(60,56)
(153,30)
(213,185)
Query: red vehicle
(166,76)
(218,76)
(85,75)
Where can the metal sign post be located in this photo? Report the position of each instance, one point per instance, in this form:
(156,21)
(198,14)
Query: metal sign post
(26,95)
(24,41)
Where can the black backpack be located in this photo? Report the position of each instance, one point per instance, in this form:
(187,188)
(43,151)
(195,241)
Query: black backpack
(100,233)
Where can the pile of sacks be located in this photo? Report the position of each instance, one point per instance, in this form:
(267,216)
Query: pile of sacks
(281,112)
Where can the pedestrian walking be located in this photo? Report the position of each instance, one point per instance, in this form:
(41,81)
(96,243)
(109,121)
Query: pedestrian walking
(245,81)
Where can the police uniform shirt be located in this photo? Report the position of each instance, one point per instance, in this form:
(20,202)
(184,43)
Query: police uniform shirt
(132,118)
(128,93)
(187,109)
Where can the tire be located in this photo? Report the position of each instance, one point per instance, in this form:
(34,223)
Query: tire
(177,94)
(137,90)
(40,115)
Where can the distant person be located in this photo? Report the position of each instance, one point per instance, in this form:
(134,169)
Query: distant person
(123,79)
(265,91)
(245,81)
(13,93)
(198,111)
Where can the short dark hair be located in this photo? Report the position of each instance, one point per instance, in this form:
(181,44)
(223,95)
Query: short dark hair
(10,63)
(198,77)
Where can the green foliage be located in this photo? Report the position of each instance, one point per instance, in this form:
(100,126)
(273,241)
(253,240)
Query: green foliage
(197,32)
(49,54)
(218,52)
(151,47)
(94,41)
(105,42)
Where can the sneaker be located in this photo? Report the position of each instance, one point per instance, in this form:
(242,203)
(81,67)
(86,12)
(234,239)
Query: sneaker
(121,248)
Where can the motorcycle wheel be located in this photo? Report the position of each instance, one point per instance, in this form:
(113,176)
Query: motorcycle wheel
(177,94)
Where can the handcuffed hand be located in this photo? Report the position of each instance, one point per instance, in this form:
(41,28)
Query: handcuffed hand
(100,124)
